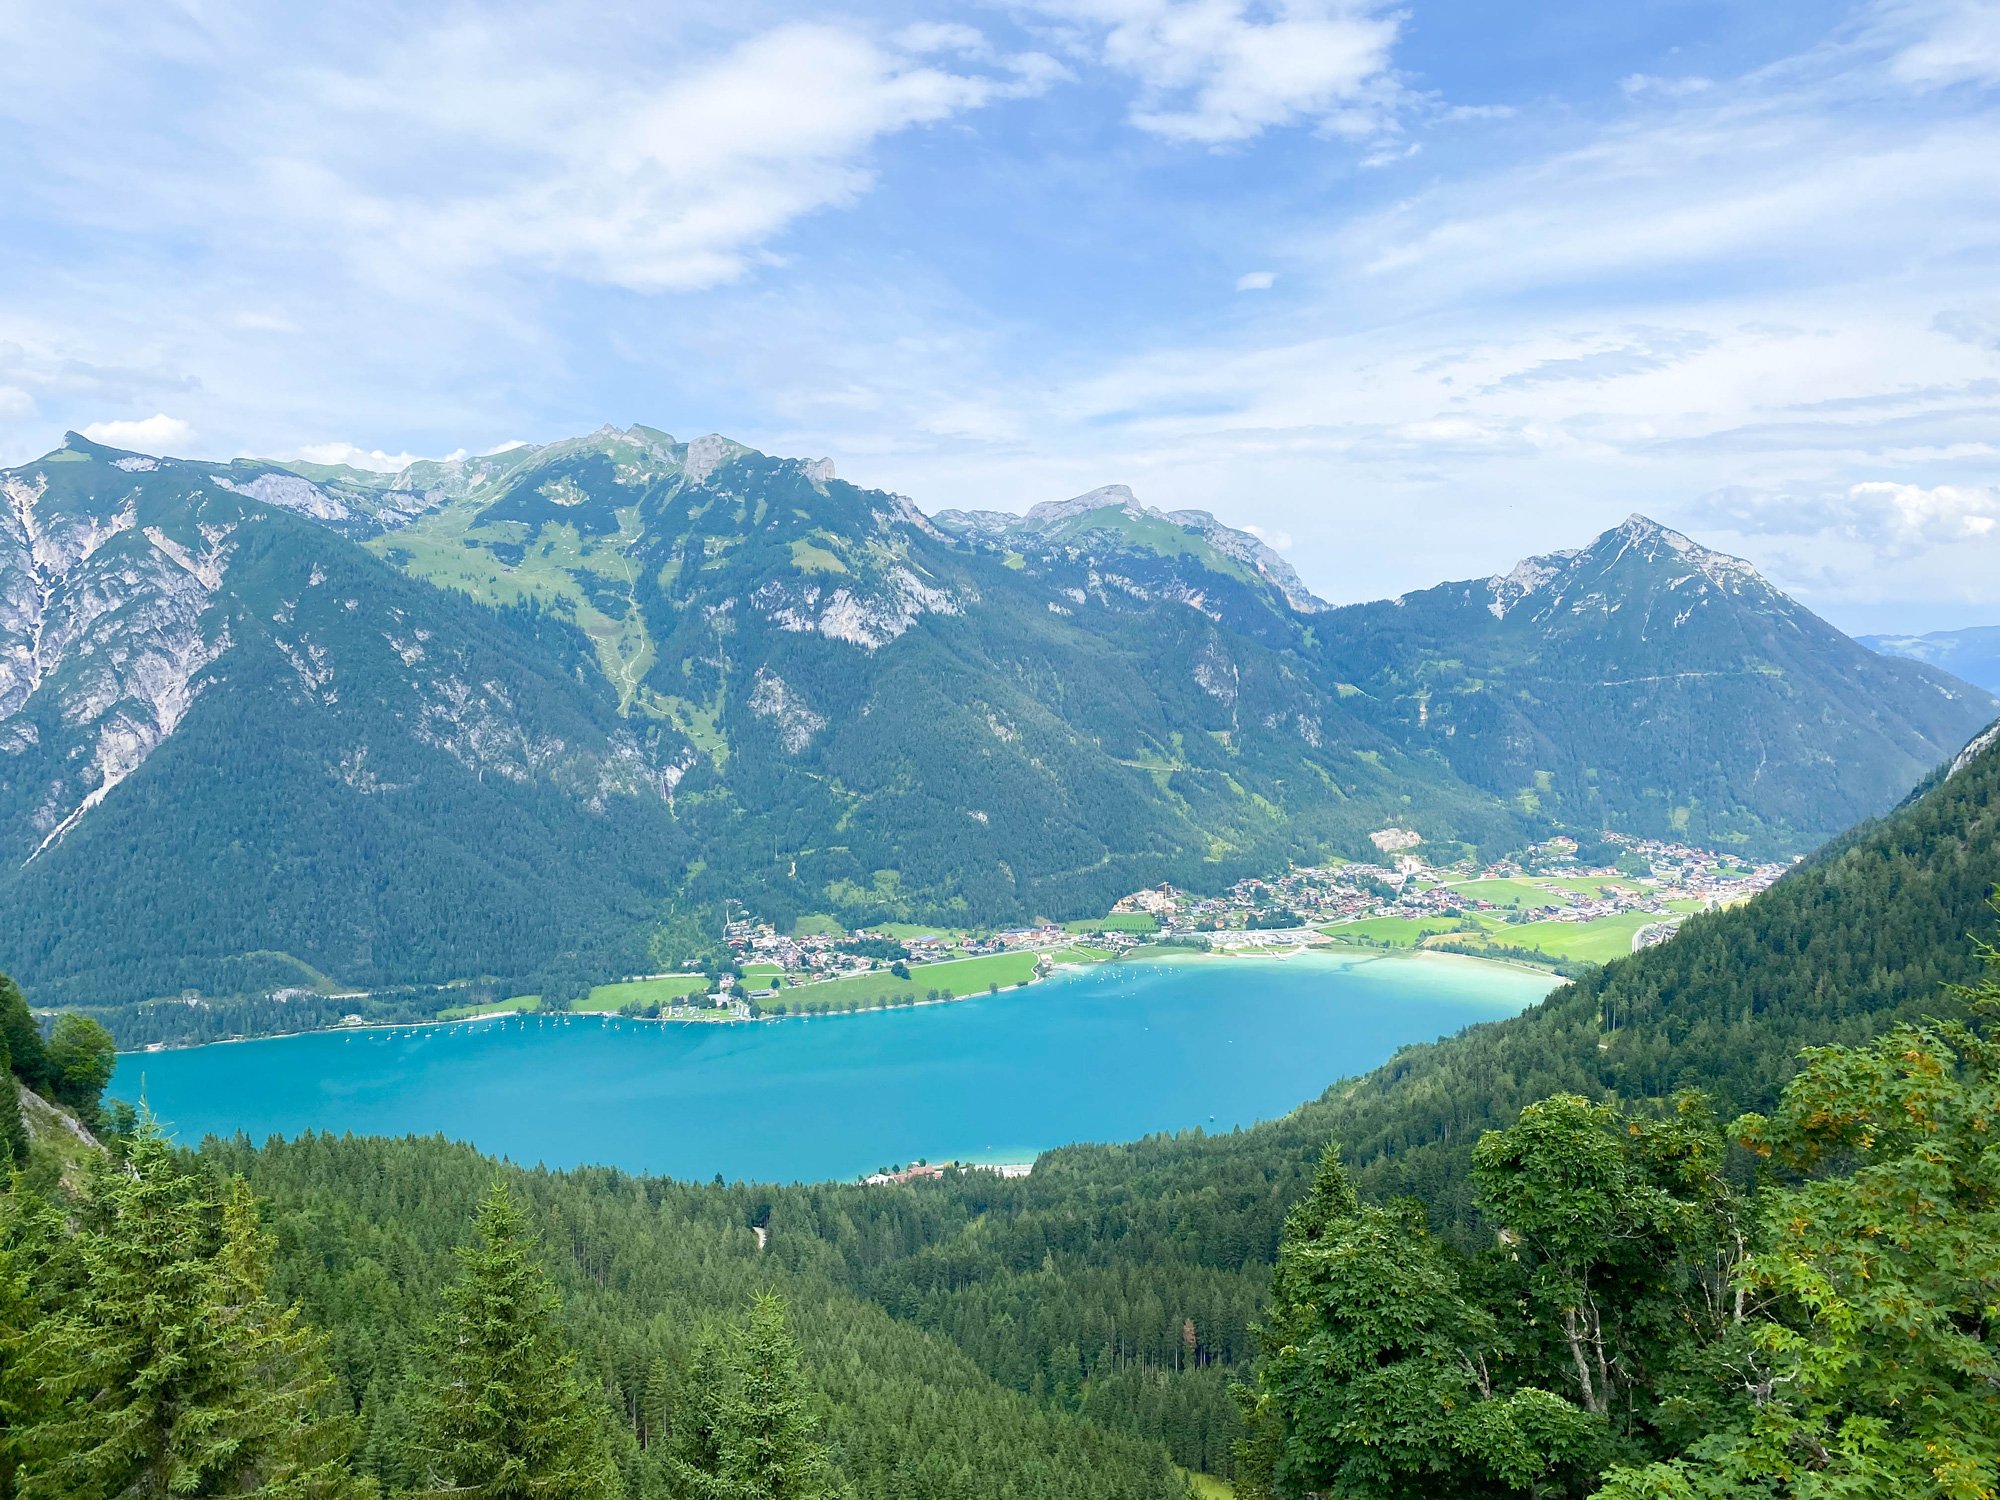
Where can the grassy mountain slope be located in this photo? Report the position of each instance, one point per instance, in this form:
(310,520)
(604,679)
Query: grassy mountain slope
(880,720)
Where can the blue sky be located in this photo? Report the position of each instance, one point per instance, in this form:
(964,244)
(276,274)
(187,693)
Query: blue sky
(1412,290)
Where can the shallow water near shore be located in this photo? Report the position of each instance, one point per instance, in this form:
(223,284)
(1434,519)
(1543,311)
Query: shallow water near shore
(1102,1054)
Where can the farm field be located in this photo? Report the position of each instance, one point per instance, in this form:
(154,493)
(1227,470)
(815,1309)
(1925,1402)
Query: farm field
(902,932)
(1591,885)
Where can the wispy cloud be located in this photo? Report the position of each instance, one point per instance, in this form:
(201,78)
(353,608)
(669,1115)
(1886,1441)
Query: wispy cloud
(990,255)
(1217,72)
(674,185)
(1941,42)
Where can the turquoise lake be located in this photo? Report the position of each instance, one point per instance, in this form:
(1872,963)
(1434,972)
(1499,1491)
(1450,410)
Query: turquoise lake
(1102,1054)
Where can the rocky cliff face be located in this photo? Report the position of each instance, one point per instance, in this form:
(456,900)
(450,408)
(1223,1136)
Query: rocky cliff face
(1109,523)
(106,633)
(230,705)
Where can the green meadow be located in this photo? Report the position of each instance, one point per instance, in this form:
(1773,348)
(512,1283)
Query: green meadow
(491,1008)
(664,990)
(1141,922)
(1395,932)
(954,977)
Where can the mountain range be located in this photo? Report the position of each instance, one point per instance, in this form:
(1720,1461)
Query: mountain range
(1971,654)
(268,726)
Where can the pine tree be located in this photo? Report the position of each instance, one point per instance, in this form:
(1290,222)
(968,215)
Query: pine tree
(502,1414)
(32,1242)
(755,1434)
(13,1133)
(656,1401)
(306,1442)
(166,1368)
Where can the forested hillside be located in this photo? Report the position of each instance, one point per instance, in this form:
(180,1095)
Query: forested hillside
(1080,1282)
(1117,1290)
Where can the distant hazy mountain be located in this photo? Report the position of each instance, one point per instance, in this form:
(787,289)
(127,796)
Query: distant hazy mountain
(1111,522)
(1971,654)
(244,744)
(1650,684)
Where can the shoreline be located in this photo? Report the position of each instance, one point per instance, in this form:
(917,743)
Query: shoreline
(1362,952)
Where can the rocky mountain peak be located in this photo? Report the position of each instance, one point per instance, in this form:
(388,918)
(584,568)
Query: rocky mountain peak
(1549,579)
(1104,497)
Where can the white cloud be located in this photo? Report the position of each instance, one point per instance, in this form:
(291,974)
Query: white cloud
(944,36)
(370,458)
(158,433)
(1390,154)
(1639,85)
(1913,515)
(1256,281)
(16,404)
(1891,519)
(1947,41)
(1649,350)
(674,186)
(1215,72)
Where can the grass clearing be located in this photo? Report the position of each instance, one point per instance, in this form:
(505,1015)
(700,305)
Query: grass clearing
(491,1008)
(1590,885)
(1596,942)
(1517,894)
(1395,932)
(810,557)
(1141,922)
(558,567)
(955,978)
(1078,953)
(663,990)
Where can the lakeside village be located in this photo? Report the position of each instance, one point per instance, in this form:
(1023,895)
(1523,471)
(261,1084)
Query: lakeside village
(1544,908)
